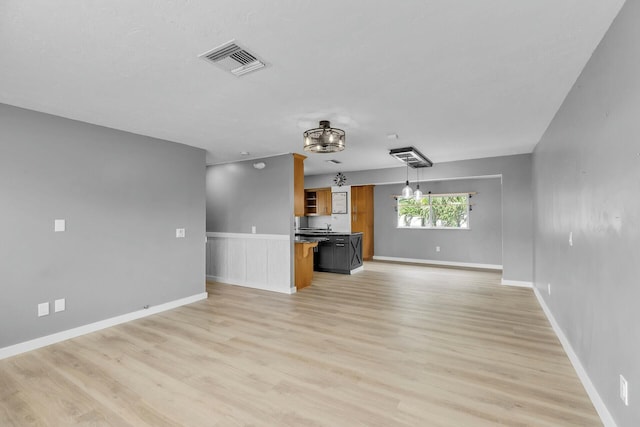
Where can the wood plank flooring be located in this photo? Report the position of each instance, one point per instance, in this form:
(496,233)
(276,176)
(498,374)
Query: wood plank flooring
(395,345)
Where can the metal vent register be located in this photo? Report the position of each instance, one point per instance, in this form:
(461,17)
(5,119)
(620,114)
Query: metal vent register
(233,58)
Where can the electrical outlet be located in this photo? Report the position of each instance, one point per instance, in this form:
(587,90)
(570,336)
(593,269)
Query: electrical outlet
(437,248)
(180,233)
(624,390)
(571,238)
(59,305)
(549,288)
(253,229)
(43,309)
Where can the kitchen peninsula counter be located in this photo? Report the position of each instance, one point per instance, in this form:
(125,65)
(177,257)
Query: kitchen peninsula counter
(337,252)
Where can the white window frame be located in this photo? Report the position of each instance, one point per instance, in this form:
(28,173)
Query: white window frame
(431,226)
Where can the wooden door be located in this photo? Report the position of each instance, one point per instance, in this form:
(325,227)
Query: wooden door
(362,217)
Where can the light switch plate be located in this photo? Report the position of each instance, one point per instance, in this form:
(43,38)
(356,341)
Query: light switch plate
(624,390)
(59,225)
(59,305)
(43,309)
(180,233)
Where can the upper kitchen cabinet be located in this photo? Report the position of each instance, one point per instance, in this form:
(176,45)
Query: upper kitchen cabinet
(298,184)
(317,201)
(362,217)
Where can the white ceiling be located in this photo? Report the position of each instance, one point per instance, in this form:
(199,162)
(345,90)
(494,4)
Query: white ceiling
(456,79)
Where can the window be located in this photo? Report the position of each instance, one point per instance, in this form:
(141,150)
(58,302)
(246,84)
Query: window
(434,211)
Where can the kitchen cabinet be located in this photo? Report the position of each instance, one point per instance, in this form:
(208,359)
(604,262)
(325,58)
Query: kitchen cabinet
(362,217)
(323,258)
(324,202)
(298,184)
(355,251)
(341,261)
(339,253)
(317,201)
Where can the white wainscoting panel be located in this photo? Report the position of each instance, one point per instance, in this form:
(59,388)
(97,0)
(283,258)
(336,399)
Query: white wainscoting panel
(256,271)
(237,260)
(279,262)
(261,261)
(217,261)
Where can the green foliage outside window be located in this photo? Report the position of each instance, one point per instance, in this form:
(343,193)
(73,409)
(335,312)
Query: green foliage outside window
(434,212)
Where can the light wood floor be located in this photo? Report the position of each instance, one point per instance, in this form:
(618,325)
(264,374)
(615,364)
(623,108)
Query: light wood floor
(395,345)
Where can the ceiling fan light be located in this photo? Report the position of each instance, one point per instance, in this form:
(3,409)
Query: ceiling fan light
(324,139)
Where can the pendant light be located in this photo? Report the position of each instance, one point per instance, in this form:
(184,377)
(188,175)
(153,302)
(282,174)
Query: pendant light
(407,191)
(418,193)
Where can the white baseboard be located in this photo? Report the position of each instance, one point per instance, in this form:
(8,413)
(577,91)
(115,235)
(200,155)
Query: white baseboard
(253,285)
(36,343)
(598,403)
(357,270)
(434,262)
(517,283)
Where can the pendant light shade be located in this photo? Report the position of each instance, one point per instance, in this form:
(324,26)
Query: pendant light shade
(418,193)
(407,191)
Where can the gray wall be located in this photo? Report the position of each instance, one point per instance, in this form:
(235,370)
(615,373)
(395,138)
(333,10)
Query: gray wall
(481,244)
(122,195)
(586,180)
(517,209)
(239,196)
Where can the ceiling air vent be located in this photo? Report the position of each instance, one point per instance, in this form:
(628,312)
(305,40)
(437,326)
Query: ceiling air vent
(411,157)
(234,58)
